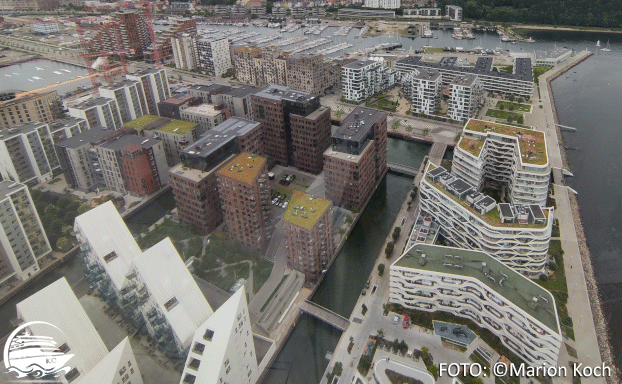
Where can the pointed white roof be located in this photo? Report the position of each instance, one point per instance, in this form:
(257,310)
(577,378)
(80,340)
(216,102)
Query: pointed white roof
(107,370)
(57,304)
(106,232)
(166,277)
(223,324)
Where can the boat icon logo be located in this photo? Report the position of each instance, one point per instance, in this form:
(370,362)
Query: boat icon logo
(33,356)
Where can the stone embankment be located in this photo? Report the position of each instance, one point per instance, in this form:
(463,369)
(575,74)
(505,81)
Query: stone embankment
(602,333)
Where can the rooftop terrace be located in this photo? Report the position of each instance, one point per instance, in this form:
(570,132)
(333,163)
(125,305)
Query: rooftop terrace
(440,179)
(304,210)
(244,168)
(142,122)
(497,277)
(178,127)
(532,143)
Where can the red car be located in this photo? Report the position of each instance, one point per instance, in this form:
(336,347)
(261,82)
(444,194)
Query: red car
(405,323)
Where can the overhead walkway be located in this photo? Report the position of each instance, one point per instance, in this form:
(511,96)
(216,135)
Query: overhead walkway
(325,315)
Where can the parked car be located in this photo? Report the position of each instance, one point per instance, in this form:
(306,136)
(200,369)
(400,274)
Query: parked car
(364,292)
(396,319)
(367,285)
(285,204)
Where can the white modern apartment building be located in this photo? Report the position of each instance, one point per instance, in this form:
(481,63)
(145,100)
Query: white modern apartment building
(237,101)
(71,328)
(155,85)
(22,238)
(454,12)
(184,51)
(507,156)
(423,89)
(224,349)
(474,285)
(102,111)
(27,154)
(130,98)
(205,115)
(213,55)
(516,235)
(119,366)
(518,83)
(363,79)
(152,288)
(386,4)
(465,98)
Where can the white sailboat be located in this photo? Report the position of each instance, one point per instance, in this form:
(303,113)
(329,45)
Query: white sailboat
(598,43)
(608,49)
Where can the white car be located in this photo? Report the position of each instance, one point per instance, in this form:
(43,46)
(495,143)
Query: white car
(285,204)
(396,319)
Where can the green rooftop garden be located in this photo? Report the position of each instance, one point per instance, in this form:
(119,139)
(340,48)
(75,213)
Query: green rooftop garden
(142,122)
(474,147)
(313,209)
(531,142)
(178,127)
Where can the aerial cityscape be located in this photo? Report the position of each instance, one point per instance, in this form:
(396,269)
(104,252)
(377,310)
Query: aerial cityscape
(310,192)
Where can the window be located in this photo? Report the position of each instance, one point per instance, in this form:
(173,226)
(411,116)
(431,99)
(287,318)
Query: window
(208,335)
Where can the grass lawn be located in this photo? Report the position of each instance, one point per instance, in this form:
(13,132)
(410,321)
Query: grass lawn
(517,106)
(537,71)
(433,50)
(261,271)
(54,181)
(499,114)
(382,103)
(168,228)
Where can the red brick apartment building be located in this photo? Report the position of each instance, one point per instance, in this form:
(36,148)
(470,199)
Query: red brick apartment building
(139,170)
(357,158)
(296,128)
(245,198)
(308,229)
(194,180)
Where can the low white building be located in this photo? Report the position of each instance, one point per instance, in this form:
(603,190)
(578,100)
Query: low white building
(474,285)
(423,89)
(552,57)
(385,4)
(465,98)
(363,79)
(507,156)
(424,13)
(72,330)
(516,235)
(223,347)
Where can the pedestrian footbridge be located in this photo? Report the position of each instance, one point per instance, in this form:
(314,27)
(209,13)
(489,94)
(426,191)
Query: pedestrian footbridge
(325,315)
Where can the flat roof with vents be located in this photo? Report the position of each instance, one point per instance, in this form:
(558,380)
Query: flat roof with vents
(244,168)
(304,210)
(358,123)
(220,135)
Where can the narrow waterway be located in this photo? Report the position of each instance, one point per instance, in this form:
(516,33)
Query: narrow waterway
(303,357)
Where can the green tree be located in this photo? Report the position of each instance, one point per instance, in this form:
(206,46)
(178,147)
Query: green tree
(63,244)
(341,231)
(339,112)
(395,125)
(543,277)
(511,107)
(66,229)
(511,97)
(425,353)
(349,219)
(510,118)
(433,370)
(52,211)
(84,208)
(501,106)
(380,269)
(380,333)
(389,249)
(521,99)
(521,120)
(426,132)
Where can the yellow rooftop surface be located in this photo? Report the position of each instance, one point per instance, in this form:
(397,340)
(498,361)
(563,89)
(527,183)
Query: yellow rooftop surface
(178,127)
(531,142)
(243,168)
(142,122)
(302,204)
(247,49)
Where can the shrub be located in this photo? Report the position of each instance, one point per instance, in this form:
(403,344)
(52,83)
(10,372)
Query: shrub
(363,309)
(380,269)
(543,277)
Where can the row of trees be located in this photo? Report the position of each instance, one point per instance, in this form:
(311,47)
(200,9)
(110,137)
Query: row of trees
(598,13)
